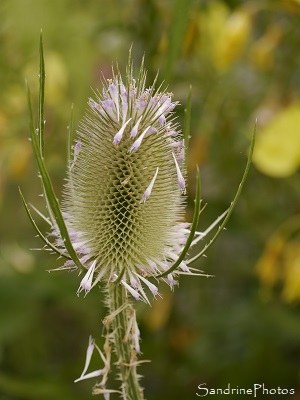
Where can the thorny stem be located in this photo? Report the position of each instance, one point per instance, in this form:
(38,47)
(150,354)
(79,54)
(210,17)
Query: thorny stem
(124,347)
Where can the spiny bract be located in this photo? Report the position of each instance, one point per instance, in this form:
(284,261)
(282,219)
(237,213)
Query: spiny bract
(124,199)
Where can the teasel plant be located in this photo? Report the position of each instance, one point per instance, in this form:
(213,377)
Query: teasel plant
(120,222)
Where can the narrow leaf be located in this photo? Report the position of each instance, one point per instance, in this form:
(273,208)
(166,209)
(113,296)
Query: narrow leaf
(176,35)
(41,215)
(48,188)
(48,243)
(210,228)
(41,121)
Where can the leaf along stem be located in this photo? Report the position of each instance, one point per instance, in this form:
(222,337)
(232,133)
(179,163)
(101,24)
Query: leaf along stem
(37,141)
(48,243)
(41,120)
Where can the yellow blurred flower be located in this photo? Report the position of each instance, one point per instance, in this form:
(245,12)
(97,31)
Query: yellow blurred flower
(291,266)
(211,22)
(277,151)
(262,50)
(268,264)
(280,261)
(223,33)
(232,40)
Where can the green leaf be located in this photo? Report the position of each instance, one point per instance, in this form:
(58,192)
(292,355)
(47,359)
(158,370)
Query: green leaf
(46,241)
(41,126)
(51,199)
(176,34)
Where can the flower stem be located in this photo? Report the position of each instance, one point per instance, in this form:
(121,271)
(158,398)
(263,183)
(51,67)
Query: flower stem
(123,322)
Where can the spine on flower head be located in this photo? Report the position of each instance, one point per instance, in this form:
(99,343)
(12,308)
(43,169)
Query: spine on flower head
(123,199)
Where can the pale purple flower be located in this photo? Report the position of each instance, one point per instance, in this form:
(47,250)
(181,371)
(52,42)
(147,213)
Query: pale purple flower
(138,141)
(86,282)
(181,180)
(119,135)
(134,130)
(148,191)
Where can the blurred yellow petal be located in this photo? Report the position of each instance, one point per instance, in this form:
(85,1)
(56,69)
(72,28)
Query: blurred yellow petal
(211,22)
(233,38)
(192,34)
(280,261)
(291,288)
(268,264)
(262,50)
(277,150)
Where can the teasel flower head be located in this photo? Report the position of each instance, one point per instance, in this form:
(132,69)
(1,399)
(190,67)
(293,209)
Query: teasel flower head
(124,200)
(122,214)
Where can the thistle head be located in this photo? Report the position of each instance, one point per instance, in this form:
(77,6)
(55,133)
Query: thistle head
(122,214)
(123,202)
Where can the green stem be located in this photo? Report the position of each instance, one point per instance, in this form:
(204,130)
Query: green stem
(122,324)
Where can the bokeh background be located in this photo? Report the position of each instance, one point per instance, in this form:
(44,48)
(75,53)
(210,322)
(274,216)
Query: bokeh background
(242,59)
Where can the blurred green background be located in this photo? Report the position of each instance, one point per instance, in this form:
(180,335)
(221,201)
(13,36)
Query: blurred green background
(243,60)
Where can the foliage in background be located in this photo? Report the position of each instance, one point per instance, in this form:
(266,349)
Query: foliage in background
(242,59)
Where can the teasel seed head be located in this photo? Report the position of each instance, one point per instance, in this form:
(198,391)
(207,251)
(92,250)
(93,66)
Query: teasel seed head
(121,220)
(123,202)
